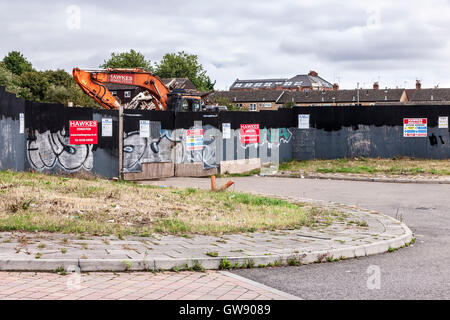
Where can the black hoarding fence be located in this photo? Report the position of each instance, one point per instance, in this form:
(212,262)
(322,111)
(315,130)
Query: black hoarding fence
(36,136)
(376,131)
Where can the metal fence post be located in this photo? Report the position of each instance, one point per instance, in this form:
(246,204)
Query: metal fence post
(121,142)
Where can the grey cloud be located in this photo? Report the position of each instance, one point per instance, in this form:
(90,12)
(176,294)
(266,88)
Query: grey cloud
(237,39)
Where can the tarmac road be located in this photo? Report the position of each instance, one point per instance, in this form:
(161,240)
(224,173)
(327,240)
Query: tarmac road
(421,271)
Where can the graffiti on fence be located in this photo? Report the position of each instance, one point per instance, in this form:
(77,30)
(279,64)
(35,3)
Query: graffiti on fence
(269,137)
(47,151)
(138,150)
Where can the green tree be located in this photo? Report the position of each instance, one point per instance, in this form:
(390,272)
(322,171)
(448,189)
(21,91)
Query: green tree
(59,77)
(183,65)
(132,59)
(17,63)
(289,105)
(11,82)
(36,82)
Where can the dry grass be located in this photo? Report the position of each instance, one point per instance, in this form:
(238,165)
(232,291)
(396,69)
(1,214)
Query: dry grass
(39,202)
(396,166)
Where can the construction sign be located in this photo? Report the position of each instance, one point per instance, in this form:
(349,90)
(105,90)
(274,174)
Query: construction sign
(249,133)
(414,127)
(194,139)
(121,78)
(83,132)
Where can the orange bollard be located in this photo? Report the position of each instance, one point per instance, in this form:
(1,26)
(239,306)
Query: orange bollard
(226,186)
(213,183)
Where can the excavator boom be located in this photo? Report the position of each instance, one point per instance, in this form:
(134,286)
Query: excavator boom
(92,82)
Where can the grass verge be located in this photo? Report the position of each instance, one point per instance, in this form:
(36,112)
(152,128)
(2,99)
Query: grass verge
(48,203)
(396,166)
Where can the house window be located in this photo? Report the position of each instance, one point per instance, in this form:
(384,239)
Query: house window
(267,105)
(114,93)
(127,94)
(252,107)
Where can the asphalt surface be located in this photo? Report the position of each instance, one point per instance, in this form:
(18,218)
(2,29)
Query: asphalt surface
(421,271)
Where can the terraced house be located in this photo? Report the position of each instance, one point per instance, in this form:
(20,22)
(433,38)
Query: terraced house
(257,100)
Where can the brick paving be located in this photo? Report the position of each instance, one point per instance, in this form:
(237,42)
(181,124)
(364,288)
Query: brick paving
(21,251)
(210,285)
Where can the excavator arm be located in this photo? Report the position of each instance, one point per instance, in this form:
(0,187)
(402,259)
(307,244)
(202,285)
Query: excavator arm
(92,82)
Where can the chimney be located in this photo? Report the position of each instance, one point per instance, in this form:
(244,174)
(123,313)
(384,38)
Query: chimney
(376,86)
(313,74)
(418,84)
(335,87)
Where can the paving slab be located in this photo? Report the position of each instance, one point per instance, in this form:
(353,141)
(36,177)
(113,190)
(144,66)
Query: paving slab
(27,251)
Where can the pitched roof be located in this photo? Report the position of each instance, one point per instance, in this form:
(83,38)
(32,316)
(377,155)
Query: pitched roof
(313,96)
(247,96)
(300,80)
(179,83)
(342,96)
(437,94)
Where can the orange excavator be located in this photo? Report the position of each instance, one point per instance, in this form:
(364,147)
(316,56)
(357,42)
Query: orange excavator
(155,96)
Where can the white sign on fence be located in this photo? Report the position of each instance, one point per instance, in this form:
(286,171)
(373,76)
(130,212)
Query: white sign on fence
(226,130)
(144,128)
(21,123)
(303,121)
(107,125)
(443,122)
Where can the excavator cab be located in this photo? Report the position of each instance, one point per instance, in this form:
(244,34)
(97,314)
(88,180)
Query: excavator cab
(180,101)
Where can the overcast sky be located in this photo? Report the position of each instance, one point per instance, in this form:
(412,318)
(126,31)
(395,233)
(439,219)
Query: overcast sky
(393,42)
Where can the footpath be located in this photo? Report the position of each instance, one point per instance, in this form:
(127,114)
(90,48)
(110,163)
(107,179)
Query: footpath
(361,233)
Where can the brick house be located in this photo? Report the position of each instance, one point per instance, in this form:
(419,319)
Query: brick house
(256,100)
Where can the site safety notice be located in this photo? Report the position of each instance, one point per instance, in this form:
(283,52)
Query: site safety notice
(415,127)
(83,132)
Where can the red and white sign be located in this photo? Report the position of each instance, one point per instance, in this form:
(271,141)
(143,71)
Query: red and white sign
(249,133)
(83,132)
(122,78)
(415,127)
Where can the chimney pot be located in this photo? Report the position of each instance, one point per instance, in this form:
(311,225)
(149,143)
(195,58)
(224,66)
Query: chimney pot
(376,86)
(335,87)
(313,73)
(418,84)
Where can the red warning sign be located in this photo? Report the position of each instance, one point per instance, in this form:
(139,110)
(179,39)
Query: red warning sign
(250,133)
(83,132)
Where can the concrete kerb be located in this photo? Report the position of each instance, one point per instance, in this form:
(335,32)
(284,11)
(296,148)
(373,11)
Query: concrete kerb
(363,179)
(294,257)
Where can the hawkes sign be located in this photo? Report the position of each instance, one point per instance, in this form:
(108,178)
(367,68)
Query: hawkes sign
(121,78)
(83,132)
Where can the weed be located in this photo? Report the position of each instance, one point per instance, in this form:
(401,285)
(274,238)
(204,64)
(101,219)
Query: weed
(248,264)
(225,264)
(63,250)
(38,255)
(127,265)
(321,257)
(212,253)
(197,266)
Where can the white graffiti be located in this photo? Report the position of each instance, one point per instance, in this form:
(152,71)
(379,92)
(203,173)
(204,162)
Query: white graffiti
(47,151)
(272,137)
(138,150)
(170,146)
